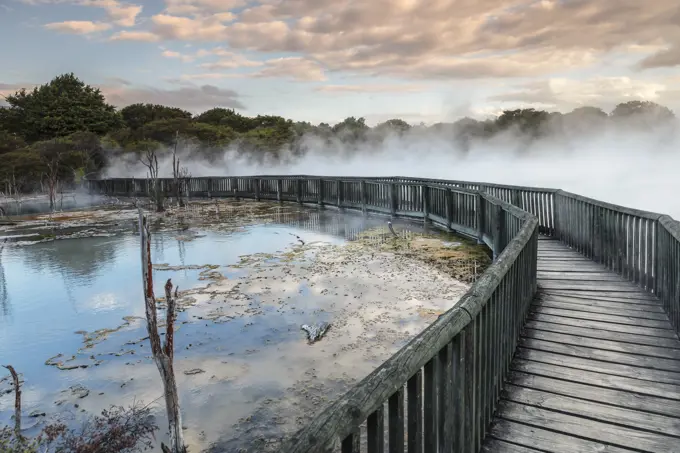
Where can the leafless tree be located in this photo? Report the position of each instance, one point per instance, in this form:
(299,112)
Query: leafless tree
(163,354)
(180,175)
(17,400)
(150,161)
(52,160)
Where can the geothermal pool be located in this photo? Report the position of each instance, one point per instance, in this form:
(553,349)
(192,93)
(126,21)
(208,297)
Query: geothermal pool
(250,274)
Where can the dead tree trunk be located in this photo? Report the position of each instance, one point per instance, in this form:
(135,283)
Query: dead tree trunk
(17,401)
(163,355)
(177,179)
(156,194)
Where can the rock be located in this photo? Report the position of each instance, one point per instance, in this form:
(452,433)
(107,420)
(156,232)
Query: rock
(194,371)
(79,391)
(316,331)
(36,414)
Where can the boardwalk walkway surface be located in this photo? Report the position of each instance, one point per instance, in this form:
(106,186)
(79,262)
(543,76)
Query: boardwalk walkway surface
(597,367)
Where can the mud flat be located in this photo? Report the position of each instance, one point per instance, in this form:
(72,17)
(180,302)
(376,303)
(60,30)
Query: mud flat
(247,375)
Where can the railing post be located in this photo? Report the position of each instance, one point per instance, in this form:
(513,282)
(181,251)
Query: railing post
(362,188)
(393,199)
(340,194)
(233,185)
(480,217)
(320,200)
(257,189)
(557,206)
(449,209)
(209,186)
(597,235)
(425,193)
(516,200)
(298,190)
(279,189)
(657,257)
(498,222)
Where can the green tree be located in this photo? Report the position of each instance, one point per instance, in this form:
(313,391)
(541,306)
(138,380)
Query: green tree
(227,117)
(528,121)
(59,108)
(351,129)
(648,109)
(137,115)
(395,125)
(10,142)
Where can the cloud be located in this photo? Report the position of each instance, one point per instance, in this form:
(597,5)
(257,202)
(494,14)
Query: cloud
(176,55)
(78,27)
(201,7)
(372,88)
(602,92)
(190,97)
(125,35)
(122,14)
(663,59)
(296,68)
(119,13)
(227,59)
(414,39)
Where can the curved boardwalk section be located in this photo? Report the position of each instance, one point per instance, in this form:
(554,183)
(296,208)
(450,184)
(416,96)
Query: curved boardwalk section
(567,343)
(597,366)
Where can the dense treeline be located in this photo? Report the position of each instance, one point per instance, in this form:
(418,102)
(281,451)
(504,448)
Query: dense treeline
(61,131)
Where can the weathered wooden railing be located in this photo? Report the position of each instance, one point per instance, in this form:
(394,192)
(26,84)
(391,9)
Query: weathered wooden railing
(439,392)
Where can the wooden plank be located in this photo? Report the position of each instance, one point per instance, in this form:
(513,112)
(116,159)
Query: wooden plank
(628,418)
(623,358)
(544,266)
(589,332)
(579,276)
(594,307)
(572,361)
(603,295)
(660,389)
(588,286)
(567,268)
(586,428)
(564,259)
(646,331)
(551,250)
(559,253)
(643,306)
(498,446)
(608,345)
(546,441)
(655,324)
(620,398)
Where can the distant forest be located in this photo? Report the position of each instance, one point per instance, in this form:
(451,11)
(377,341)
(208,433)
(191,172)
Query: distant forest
(65,130)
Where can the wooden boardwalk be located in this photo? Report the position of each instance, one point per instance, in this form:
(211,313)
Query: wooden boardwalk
(597,367)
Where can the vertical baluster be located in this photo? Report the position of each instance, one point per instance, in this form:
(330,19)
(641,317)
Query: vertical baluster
(430,400)
(414,389)
(376,431)
(396,422)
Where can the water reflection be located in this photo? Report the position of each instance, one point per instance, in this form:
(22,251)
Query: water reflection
(68,286)
(4,294)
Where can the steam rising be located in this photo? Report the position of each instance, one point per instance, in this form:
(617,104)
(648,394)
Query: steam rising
(634,167)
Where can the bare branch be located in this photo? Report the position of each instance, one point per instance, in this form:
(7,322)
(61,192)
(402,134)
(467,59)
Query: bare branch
(17,400)
(163,355)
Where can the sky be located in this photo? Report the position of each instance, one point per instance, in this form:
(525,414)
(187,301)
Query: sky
(324,60)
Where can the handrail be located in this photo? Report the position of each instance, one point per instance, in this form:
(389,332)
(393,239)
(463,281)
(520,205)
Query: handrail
(464,356)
